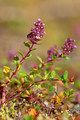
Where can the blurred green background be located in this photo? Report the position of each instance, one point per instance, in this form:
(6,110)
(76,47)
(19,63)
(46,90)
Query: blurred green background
(61,18)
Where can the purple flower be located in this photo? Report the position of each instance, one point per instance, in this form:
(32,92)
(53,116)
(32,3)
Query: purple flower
(11,54)
(68,46)
(37,32)
(53,52)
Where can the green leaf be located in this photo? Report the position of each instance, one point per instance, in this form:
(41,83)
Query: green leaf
(54,56)
(51,88)
(20,53)
(16,58)
(69,92)
(65,76)
(26,79)
(65,57)
(49,64)
(45,85)
(15,81)
(53,74)
(47,72)
(65,115)
(37,107)
(40,65)
(28,117)
(77,84)
(40,59)
(33,49)
(27,44)
(22,74)
(16,61)
(30,55)
(60,77)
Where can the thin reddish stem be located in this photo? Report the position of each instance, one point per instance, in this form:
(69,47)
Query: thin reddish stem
(23,58)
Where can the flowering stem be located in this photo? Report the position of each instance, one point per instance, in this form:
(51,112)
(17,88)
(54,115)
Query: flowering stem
(23,58)
(21,62)
(14,73)
(17,68)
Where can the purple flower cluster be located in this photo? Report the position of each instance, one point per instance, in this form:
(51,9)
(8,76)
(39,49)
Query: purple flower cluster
(68,46)
(37,32)
(53,52)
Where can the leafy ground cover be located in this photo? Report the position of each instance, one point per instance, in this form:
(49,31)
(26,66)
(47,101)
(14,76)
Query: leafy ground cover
(43,92)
